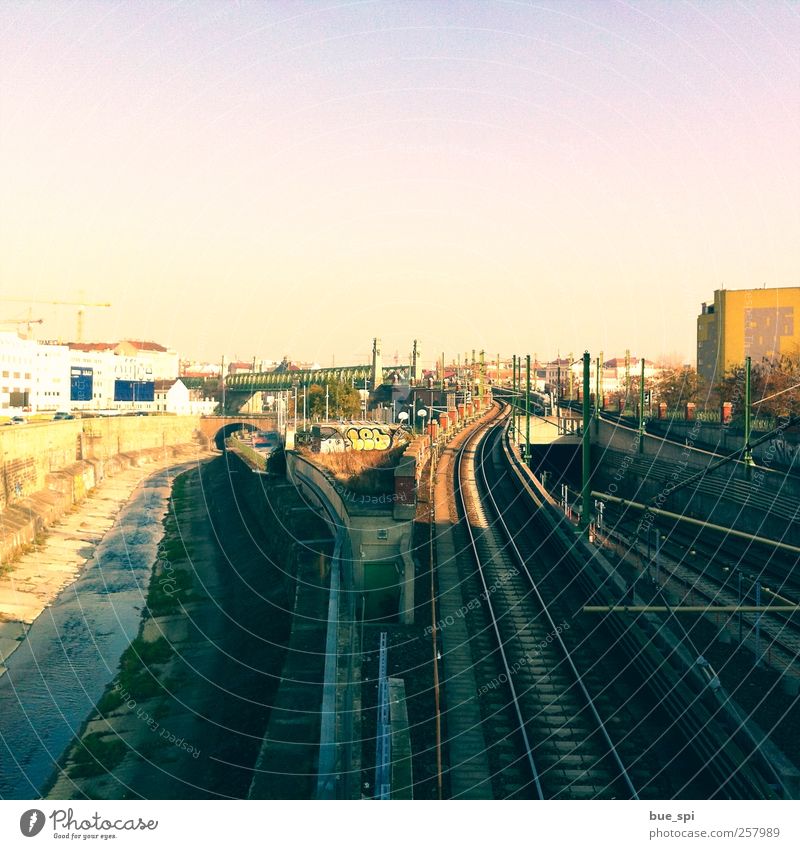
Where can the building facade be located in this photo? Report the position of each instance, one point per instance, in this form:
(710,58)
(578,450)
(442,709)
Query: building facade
(17,370)
(762,324)
(45,377)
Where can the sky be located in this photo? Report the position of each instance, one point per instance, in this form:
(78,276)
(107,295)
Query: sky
(294,178)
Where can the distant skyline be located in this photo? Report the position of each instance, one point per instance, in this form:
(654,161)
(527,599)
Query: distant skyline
(296,178)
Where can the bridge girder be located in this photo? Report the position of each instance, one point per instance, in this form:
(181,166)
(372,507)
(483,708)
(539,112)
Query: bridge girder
(277,381)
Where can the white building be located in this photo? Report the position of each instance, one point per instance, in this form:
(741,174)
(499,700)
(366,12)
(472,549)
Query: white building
(119,376)
(612,375)
(152,359)
(17,369)
(47,377)
(172,396)
(51,378)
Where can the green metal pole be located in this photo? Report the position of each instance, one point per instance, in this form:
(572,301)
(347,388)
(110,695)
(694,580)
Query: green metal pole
(641,410)
(597,396)
(514,393)
(528,409)
(627,379)
(569,376)
(748,454)
(601,402)
(558,392)
(519,390)
(586,490)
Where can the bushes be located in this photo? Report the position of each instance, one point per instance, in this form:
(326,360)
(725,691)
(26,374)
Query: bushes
(361,472)
(96,755)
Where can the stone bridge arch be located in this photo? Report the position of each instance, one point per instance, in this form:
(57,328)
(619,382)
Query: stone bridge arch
(216,428)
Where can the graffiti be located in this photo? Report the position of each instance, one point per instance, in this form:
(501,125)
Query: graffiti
(355,437)
(370,438)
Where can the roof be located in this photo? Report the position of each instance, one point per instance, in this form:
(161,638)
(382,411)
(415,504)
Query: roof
(619,362)
(144,346)
(200,374)
(92,346)
(165,385)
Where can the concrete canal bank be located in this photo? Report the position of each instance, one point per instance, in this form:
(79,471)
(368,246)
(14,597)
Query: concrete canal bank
(188,708)
(71,607)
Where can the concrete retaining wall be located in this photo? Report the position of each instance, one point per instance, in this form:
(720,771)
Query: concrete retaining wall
(726,440)
(372,538)
(614,473)
(625,439)
(46,468)
(31,452)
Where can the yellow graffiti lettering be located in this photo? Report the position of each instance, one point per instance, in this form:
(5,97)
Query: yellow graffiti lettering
(356,443)
(366,434)
(368,439)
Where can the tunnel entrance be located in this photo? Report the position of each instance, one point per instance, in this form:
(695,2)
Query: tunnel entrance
(381,593)
(228,430)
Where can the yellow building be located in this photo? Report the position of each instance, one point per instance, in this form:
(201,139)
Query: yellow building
(758,323)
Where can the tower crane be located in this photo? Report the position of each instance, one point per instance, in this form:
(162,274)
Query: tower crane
(18,321)
(81,305)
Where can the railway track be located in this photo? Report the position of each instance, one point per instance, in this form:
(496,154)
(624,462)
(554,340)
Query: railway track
(564,749)
(702,570)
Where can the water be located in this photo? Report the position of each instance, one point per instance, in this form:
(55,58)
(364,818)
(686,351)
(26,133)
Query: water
(71,653)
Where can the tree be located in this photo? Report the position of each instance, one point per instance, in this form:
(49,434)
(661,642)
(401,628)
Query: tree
(342,398)
(345,402)
(776,381)
(316,401)
(676,387)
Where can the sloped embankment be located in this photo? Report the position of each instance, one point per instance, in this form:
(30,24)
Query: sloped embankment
(186,714)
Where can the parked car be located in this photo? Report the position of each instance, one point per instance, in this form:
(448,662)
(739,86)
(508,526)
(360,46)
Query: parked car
(62,416)
(17,420)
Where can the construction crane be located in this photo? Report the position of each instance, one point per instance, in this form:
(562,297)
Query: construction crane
(27,321)
(81,305)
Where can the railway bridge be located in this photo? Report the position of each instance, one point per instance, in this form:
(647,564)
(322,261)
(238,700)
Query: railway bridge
(217,428)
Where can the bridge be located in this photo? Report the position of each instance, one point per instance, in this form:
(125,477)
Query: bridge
(273,381)
(217,428)
(240,388)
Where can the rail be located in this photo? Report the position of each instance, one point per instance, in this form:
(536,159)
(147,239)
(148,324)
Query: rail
(567,655)
(739,765)
(487,596)
(484,442)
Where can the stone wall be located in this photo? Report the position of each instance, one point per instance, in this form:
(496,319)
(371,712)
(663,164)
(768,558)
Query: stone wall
(29,453)
(46,468)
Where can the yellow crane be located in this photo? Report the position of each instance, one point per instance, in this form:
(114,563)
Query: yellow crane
(19,321)
(81,305)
